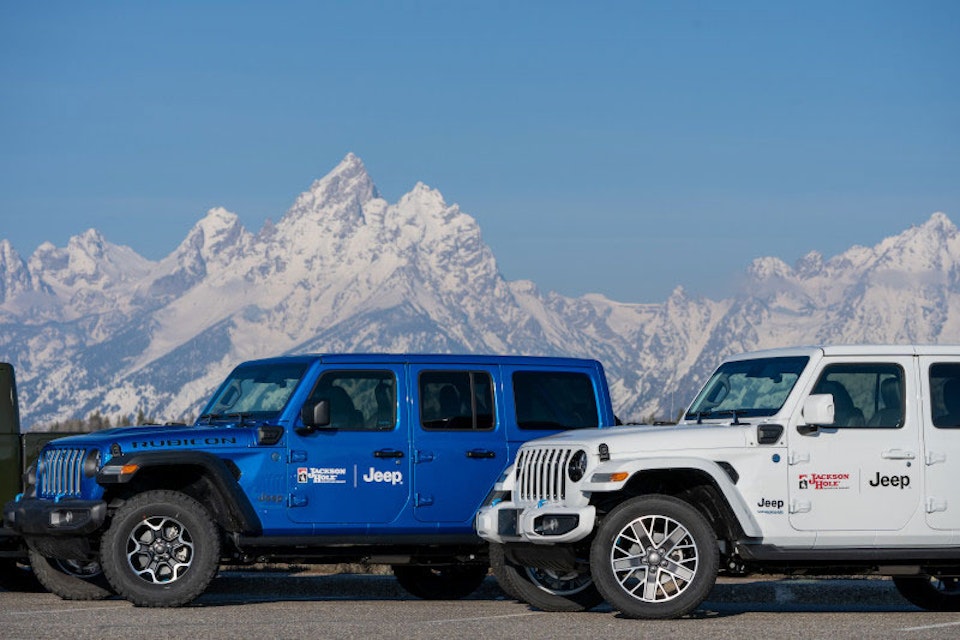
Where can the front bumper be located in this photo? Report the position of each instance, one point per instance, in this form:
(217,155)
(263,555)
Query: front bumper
(547,524)
(66,518)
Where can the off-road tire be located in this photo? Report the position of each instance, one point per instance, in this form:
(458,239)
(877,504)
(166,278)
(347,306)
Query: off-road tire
(70,579)
(442,582)
(930,592)
(654,557)
(543,589)
(162,549)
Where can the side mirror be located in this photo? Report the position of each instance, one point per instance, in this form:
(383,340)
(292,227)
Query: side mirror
(818,411)
(315,416)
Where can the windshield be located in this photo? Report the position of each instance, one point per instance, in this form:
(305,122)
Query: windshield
(257,391)
(748,388)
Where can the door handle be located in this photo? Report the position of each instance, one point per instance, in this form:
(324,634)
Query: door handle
(481,453)
(388,453)
(898,454)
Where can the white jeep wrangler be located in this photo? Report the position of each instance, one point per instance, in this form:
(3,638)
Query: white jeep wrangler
(816,460)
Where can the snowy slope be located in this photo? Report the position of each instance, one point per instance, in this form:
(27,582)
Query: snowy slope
(94,326)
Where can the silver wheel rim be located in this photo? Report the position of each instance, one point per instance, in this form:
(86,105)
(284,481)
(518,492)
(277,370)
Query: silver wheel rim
(654,558)
(159,550)
(558,584)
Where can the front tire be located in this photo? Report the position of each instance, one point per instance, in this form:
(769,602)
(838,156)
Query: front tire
(932,593)
(544,589)
(654,557)
(442,582)
(161,550)
(70,579)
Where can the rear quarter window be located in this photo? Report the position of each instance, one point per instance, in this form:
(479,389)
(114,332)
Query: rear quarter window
(554,400)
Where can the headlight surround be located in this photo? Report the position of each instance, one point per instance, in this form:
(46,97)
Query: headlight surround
(91,463)
(577,466)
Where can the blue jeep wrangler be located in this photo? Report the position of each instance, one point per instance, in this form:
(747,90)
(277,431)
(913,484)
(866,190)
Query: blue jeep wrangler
(379,459)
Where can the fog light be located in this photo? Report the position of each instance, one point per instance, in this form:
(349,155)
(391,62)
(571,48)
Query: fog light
(555,525)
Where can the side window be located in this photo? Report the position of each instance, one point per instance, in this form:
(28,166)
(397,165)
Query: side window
(554,400)
(456,400)
(359,400)
(945,394)
(864,395)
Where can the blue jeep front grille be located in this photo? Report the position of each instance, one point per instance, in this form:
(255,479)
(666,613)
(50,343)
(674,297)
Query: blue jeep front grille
(59,472)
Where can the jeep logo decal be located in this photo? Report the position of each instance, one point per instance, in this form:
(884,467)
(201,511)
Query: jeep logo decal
(890,481)
(387,477)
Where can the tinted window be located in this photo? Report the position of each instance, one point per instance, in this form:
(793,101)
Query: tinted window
(358,399)
(456,400)
(864,395)
(554,400)
(945,394)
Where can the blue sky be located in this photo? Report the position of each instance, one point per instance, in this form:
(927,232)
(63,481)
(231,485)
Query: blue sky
(615,147)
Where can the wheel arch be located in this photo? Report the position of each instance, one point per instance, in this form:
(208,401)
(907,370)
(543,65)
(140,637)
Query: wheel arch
(208,479)
(706,486)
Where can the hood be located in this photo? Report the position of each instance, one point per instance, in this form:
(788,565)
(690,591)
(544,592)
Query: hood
(642,440)
(154,437)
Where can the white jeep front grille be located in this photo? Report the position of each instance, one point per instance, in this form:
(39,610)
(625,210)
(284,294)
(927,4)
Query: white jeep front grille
(542,474)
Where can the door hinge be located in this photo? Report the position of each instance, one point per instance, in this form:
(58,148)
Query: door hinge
(297,455)
(933,457)
(936,504)
(799,506)
(420,500)
(796,457)
(297,500)
(422,456)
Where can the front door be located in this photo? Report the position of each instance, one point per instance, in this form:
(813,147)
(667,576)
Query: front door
(356,470)
(863,472)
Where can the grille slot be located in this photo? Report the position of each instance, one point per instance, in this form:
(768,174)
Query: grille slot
(60,472)
(542,473)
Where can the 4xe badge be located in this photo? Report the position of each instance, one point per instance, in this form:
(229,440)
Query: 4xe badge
(770,506)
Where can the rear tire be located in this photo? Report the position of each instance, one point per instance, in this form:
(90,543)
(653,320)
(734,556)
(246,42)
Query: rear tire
(930,592)
(161,550)
(444,582)
(543,589)
(71,579)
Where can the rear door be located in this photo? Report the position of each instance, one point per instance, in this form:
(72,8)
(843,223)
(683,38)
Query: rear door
(940,379)
(459,443)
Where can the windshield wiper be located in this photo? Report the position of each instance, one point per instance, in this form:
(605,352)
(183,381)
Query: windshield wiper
(242,416)
(209,417)
(733,412)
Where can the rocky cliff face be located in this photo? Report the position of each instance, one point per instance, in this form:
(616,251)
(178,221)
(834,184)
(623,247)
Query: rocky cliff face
(94,326)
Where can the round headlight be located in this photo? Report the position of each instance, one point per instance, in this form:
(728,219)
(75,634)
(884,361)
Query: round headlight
(91,463)
(577,465)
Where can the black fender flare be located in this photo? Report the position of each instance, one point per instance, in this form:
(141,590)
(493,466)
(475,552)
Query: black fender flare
(231,507)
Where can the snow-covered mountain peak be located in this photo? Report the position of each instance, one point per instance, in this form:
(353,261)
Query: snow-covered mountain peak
(768,268)
(332,209)
(93,326)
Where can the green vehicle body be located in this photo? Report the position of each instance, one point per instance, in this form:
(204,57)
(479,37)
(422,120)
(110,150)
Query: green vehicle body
(17,452)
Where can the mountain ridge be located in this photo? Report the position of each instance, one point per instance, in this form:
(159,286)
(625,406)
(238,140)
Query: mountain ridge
(94,326)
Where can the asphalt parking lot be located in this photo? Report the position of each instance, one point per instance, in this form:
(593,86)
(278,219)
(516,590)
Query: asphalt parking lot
(309,605)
